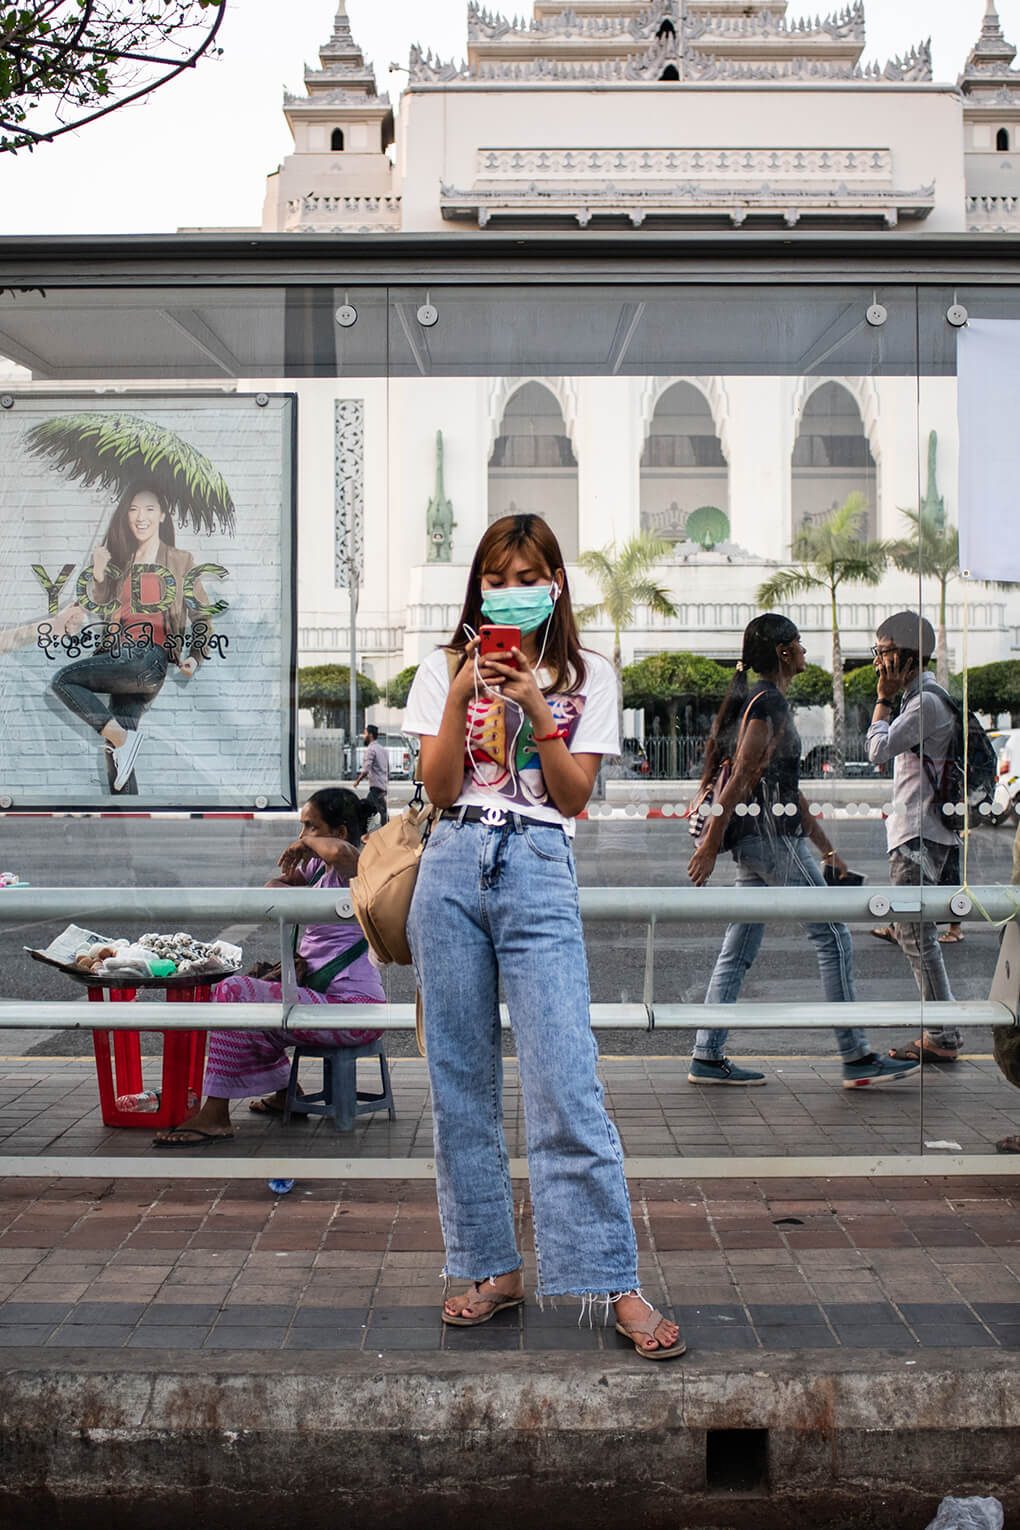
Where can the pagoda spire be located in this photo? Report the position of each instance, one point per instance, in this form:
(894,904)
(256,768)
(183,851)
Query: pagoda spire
(991,47)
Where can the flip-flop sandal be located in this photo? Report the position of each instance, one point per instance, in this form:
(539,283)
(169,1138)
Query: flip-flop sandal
(498,1303)
(1008,1145)
(950,938)
(646,1327)
(265,1108)
(923,1054)
(885,932)
(200,1138)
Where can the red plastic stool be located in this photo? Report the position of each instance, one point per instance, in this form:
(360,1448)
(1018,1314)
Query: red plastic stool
(183,1063)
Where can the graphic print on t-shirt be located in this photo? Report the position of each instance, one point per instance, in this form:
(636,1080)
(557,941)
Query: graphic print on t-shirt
(500,752)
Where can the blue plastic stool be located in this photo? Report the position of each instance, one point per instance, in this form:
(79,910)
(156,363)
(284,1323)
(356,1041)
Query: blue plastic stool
(339,1096)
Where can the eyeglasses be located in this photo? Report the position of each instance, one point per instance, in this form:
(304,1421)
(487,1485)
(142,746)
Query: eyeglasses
(878,653)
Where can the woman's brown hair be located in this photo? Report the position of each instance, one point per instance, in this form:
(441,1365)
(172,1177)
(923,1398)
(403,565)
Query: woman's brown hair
(532,535)
(118,539)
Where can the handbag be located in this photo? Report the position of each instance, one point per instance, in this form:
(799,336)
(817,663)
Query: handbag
(387,872)
(388,869)
(708,795)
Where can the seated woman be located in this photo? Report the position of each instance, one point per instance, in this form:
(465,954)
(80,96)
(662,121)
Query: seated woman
(243,1063)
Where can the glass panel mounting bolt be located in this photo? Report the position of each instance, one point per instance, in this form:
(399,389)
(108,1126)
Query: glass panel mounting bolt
(877,315)
(878,906)
(427,314)
(957,315)
(346,315)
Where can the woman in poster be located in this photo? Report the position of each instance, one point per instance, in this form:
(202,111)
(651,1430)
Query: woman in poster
(139,584)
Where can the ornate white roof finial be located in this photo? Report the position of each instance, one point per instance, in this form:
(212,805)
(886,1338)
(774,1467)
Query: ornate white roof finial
(991,55)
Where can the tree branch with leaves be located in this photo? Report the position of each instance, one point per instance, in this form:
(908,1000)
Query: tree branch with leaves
(64,63)
(828,555)
(624,583)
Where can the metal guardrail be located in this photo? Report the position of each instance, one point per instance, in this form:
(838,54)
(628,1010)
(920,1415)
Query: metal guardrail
(652,906)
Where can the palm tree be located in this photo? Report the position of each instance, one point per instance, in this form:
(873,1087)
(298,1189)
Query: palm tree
(827,555)
(624,583)
(933,551)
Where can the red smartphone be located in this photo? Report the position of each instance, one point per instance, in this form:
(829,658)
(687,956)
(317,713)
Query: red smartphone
(497,642)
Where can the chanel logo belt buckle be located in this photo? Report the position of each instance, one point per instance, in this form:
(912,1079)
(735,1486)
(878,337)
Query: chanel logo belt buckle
(494,817)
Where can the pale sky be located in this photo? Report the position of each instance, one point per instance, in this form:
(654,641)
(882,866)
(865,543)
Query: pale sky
(197,153)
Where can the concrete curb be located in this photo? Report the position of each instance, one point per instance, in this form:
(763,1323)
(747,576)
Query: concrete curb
(147,1439)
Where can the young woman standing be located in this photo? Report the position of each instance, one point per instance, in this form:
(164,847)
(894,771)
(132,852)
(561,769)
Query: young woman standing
(509,752)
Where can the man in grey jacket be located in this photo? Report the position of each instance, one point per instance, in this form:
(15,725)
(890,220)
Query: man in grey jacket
(376,767)
(919,837)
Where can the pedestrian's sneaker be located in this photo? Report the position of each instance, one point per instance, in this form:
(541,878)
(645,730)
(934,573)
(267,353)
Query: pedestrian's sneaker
(869,1071)
(124,758)
(722,1072)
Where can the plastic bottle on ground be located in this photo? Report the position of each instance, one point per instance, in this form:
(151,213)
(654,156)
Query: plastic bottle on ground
(281,1186)
(145,1100)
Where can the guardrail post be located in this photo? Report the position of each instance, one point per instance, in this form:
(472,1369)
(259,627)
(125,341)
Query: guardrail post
(648,995)
(289,995)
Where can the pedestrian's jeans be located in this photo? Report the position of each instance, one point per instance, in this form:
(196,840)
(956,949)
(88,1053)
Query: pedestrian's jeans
(910,865)
(496,902)
(781,861)
(376,797)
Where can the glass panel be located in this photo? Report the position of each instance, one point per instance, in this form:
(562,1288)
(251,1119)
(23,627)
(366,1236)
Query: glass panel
(965,498)
(723,420)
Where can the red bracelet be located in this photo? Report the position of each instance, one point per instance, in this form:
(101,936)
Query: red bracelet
(547,738)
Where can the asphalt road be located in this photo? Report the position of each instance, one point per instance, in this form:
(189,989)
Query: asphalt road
(73,852)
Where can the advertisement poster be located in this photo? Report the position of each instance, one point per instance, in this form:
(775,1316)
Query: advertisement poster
(147,634)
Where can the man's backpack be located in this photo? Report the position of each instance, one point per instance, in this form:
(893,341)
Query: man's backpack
(952,785)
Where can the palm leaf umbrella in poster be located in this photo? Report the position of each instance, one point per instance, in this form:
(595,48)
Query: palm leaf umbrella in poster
(114,450)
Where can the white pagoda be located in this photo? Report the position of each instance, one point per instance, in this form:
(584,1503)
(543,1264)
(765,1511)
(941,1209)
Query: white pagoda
(339,176)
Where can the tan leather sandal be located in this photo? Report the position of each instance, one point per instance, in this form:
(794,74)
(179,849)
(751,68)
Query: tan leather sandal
(646,1329)
(498,1302)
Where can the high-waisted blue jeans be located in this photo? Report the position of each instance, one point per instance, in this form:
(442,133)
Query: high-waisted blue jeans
(781,861)
(501,902)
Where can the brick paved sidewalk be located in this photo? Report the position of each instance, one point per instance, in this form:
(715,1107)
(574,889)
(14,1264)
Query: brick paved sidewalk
(50,1105)
(889,1265)
(779,1266)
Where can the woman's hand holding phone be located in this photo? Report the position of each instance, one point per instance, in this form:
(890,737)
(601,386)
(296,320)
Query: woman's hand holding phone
(519,684)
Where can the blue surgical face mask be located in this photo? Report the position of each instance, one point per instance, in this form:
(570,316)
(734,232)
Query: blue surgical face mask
(524,606)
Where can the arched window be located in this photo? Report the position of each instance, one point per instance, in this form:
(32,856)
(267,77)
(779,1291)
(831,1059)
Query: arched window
(1002,140)
(336,141)
(670,73)
(832,459)
(533,467)
(683,469)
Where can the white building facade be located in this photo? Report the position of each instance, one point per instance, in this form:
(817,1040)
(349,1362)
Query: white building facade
(682,115)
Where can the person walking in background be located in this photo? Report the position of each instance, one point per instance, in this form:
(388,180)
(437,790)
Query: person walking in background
(765,825)
(376,767)
(919,839)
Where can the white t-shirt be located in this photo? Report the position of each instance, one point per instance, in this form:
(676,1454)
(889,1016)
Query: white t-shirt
(501,762)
